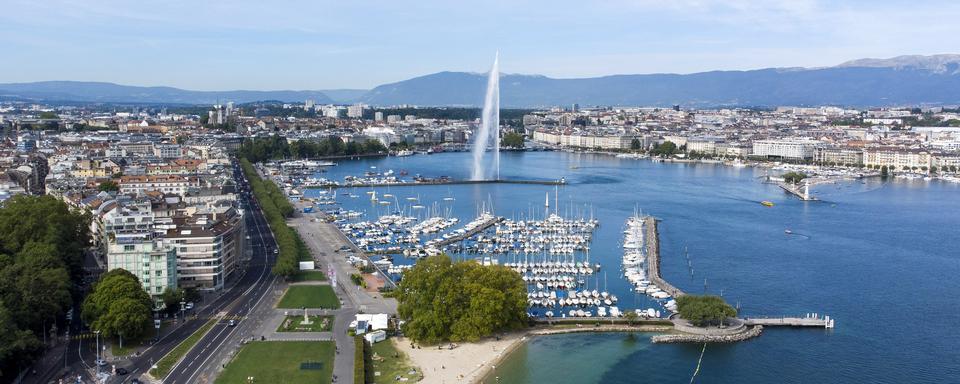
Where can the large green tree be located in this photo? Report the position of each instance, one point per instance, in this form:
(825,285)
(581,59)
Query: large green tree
(704,310)
(512,140)
(118,304)
(41,253)
(442,300)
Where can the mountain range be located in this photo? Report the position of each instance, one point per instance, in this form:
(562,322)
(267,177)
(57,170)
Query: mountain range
(902,80)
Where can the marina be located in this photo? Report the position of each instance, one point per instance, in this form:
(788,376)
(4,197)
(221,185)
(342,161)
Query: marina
(688,215)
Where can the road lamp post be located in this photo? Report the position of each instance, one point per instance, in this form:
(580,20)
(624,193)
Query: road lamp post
(97,362)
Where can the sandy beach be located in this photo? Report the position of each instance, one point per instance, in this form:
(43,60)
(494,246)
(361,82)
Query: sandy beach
(467,363)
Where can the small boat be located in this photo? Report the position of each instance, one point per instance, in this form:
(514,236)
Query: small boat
(766,203)
(787,231)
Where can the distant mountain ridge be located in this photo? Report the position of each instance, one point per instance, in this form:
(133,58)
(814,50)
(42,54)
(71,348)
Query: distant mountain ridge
(83,91)
(902,80)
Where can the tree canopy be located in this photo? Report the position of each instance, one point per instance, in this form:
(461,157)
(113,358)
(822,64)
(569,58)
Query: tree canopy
(441,300)
(512,140)
(41,253)
(667,148)
(277,147)
(704,310)
(794,177)
(108,186)
(276,208)
(118,305)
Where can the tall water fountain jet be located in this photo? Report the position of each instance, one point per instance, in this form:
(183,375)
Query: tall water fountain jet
(489,128)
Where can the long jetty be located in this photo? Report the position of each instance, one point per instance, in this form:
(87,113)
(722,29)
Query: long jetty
(440,182)
(802,194)
(652,241)
(812,320)
(480,228)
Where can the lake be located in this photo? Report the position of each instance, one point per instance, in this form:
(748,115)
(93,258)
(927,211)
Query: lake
(882,257)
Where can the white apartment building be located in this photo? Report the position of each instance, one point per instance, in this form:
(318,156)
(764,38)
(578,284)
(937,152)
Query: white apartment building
(795,149)
(162,183)
(355,111)
(152,260)
(896,158)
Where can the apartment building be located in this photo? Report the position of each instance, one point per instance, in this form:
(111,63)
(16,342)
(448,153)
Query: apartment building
(793,149)
(209,245)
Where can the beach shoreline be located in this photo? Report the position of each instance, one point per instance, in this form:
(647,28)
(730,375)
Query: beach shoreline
(474,362)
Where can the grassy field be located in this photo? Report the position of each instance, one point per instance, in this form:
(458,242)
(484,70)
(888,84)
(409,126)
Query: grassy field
(309,296)
(171,358)
(293,324)
(390,363)
(310,276)
(280,362)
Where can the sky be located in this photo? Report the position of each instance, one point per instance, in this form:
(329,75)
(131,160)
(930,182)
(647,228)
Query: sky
(319,44)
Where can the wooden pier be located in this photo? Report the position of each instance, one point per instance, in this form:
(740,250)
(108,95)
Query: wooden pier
(439,182)
(652,241)
(468,234)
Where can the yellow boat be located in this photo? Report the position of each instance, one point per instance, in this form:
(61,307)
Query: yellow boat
(766,203)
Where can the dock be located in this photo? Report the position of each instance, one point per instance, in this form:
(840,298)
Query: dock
(439,182)
(652,241)
(468,234)
(810,320)
(802,194)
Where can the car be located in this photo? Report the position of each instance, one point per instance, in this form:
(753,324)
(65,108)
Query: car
(275,251)
(121,371)
(135,381)
(189,305)
(231,323)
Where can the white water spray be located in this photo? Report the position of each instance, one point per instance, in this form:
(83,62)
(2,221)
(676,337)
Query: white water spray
(489,128)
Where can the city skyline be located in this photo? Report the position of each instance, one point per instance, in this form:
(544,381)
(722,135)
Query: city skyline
(329,46)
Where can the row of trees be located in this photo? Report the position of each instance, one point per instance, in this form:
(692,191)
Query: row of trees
(41,254)
(704,310)
(276,208)
(441,300)
(276,147)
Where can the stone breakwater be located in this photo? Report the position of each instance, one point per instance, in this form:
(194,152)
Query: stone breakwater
(690,338)
(653,257)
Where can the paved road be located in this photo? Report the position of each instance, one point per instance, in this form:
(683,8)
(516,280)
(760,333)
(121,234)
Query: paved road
(200,363)
(324,239)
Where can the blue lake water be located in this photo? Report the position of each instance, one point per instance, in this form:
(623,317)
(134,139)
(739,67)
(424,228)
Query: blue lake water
(881,257)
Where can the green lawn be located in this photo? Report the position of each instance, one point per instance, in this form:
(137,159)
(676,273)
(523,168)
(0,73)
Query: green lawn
(309,296)
(166,363)
(314,275)
(319,324)
(390,362)
(280,362)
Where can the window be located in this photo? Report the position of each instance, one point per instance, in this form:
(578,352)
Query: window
(128,248)
(159,273)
